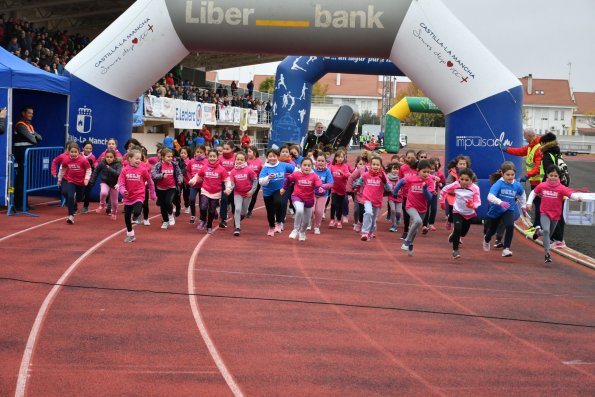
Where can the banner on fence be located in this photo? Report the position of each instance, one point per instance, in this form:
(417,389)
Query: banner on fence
(188,115)
(209,113)
(159,107)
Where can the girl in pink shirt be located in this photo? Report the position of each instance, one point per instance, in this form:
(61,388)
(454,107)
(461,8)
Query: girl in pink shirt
(420,188)
(256,164)
(88,154)
(340,170)
(372,184)
(227,161)
(75,170)
(358,203)
(243,184)
(212,176)
(466,201)
(193,167)
(183,162)
(394,203)
(407,169)
(305,183)
(131,184)
(167,176)
(552,194)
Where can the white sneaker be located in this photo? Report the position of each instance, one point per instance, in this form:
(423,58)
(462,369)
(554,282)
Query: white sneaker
(486,246)
(164,225)
(405,246)
(172,219)
(146,222)
(506,252)
(293,234)
(137,221)
(309,227)
(302,236)
(187,210)
(316,230)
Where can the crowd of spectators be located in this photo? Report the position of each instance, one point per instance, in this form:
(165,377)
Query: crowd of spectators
(171,86)
(47,50)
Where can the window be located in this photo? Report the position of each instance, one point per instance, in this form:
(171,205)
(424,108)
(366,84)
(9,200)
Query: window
(562,115)
(556,115)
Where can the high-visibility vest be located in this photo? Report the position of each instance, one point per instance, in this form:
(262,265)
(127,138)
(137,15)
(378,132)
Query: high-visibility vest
(531,164)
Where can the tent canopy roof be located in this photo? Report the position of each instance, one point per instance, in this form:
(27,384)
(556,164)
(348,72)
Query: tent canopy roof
(16,73)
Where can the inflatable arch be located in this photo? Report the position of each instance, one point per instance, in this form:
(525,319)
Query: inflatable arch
(293,89)
(480,98)
(399,112)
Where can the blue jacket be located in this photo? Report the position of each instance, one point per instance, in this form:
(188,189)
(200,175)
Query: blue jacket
(270,186)
(506,192)
(326,176)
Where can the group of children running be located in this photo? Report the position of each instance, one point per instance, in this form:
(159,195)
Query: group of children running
(222,177)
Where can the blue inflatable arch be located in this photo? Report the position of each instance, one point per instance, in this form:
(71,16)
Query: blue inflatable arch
(480,98)
(293,89)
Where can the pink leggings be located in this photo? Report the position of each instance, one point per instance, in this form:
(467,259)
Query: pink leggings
(319,210)
(113,195)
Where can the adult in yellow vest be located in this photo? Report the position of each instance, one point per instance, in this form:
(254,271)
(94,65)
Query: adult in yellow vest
(534,169)
(24,137)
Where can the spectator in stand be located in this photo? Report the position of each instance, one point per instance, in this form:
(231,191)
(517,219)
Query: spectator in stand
(245,141)
(234,88)
(207,135)
(13,45)
(168,141)
(250,87)
(169,80)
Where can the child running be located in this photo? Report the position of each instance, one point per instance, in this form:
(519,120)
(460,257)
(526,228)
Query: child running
(256,164)
(88,154)
(467,200)
(552,194)
(193,167)
(406,170)
(226,160)
(74,175)
(167,176)
(132,182)
(243,184)
(271,179)
(306,183)
(108,170)
(213,176)
(421,188)
(395,206)
(326,177)
(503,194)
(372,184)
(341,172)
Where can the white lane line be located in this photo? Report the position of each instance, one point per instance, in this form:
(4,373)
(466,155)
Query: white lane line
(231,383)
(233,386)
(43,311)
(30,228)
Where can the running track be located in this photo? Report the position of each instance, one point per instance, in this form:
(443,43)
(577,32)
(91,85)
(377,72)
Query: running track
(272,316)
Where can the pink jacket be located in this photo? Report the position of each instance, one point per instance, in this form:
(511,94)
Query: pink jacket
(462,197)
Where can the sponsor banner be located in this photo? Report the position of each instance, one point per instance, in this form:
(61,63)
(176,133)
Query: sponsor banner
(188,115)
(252,117)
(226,114)
(244,119)
(142,33)
(445,59)
(209,113)
(236,115)
(159,107)
(138,117)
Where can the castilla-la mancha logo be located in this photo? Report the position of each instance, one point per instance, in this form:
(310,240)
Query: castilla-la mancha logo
(84,120)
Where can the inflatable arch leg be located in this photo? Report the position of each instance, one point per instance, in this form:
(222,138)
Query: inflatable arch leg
(398,113)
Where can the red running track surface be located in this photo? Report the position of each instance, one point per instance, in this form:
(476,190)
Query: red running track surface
(329,316)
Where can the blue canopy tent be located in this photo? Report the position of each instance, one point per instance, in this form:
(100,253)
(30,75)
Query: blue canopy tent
(22,84)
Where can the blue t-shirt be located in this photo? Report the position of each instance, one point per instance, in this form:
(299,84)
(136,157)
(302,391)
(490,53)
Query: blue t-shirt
(168,141)
(326,176)
(199,140)
(277,182)
(506,192)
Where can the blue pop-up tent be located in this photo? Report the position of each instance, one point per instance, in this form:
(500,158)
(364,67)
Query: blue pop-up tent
(22,84)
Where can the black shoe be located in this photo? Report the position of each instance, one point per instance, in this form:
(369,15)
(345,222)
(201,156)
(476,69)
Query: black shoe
(249,214)
(223,225)
(498,244)
(455,254)
(236,232)
(548,258)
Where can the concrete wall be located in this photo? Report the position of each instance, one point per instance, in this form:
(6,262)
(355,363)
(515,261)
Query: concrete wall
(424,135)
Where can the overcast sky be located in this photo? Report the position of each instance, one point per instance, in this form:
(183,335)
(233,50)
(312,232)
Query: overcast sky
(528,36)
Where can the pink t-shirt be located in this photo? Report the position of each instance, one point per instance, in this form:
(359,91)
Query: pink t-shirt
(416,198)
(75,169)
(133,180)
(404,171)
(373,188)
(228,162)
(213,176)
(304,185)
(256,165)
(242,178)
(552,197)
(58,161)
(340,175)
(193,167)
(168,181)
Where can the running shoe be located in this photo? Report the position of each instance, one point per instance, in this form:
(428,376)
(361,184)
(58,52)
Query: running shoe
(316,230)
(100,209)
(129,239)
(146,222)
(506,252)
(339,225)
(271,232)
(559,244)
(187,210)
(201,225)
(332,223)
(302,236)
(278,227)
(405,245)
(345,219)
(113,217)
(548,258)
(410,250)
(424,230)
(192,220)
(498,244)
(364,237)
(486,246)
(357,227)
(164,225)
(293,234)
(223,225)
(455,254)
(432,228)
(236,232)
(210,230)
(70,220)
(172,219)
(392,229)
(85,210)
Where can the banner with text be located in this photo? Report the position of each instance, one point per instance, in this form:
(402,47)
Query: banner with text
(188,115)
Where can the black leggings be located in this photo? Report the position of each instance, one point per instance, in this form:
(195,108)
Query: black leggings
(146,204)
(73,193)
(508,219)
(194,193)
(254,197)
(166,198)
(406,216)
(274,208)
(130,211)
(337,206)
(461,227)
(208,206)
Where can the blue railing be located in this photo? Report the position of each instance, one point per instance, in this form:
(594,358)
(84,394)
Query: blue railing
(37,172)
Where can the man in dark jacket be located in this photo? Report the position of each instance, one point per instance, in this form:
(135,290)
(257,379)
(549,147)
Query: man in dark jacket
(25,137)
